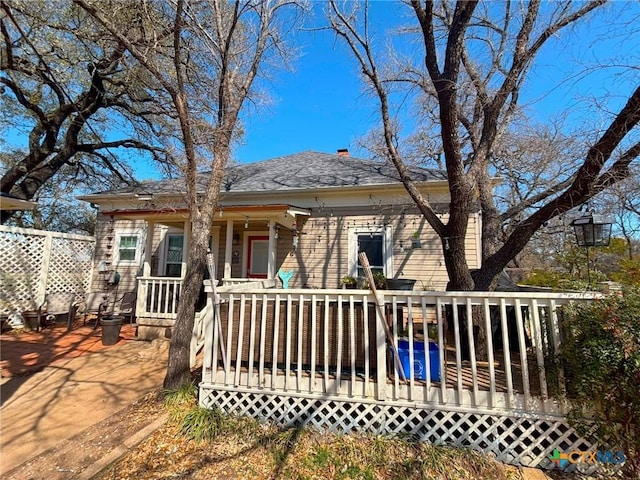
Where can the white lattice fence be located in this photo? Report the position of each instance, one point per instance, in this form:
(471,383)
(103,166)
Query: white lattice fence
(34,263)
(524,440)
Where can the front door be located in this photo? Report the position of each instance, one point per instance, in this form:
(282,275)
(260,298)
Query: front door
(258,256)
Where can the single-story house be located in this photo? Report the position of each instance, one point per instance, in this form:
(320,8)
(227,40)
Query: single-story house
(316,355)
(306,214)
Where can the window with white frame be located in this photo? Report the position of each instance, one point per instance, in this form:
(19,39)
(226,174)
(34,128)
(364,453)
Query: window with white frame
(174,255)
(128,247)
(376,242)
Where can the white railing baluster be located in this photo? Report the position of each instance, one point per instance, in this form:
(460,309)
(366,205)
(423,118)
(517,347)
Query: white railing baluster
(458,344)
(381,356)
(367,366)
(394,330)
(555,336)
(263,338)
(410,335)
(427,349)
(229,350)
(252,338)
(210,361)
(490,359)
(442,353)
(526,386)
(165,308)
(155,301)
(537,334)
(238,368)
(287,339)
(339,346)
(300,334)
(326,343)
(352,344)
(507,353)
(472,351)
(276,334)
(312,373)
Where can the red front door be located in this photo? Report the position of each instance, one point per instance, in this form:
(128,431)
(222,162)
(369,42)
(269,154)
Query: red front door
(258,256)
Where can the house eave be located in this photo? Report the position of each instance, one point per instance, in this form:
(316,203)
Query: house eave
(281,213)
(229,196)
(12,203)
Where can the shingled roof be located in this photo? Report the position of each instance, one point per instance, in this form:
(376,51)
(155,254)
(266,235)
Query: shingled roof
(316,170)
(306,170)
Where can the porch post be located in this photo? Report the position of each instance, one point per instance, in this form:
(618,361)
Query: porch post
(141,295)
(228,247)
(146,266)
(271,266)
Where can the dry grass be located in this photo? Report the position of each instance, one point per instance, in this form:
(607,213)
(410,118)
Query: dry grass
(268,453)
(242,448)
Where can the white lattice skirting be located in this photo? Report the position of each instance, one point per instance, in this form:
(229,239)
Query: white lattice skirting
(525,440)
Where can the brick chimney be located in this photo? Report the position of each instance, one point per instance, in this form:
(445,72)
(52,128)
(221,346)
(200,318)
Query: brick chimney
(343,152)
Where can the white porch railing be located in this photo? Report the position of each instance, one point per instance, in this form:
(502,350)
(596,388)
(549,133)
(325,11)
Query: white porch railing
(331,343)
(158,297)
(321,358)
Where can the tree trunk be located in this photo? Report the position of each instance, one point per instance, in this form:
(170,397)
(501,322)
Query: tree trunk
(178,367)
(461,280)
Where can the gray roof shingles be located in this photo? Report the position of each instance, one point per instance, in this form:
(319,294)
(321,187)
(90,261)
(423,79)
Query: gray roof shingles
(304,170)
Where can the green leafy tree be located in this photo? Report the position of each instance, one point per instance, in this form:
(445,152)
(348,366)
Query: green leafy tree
(600,355)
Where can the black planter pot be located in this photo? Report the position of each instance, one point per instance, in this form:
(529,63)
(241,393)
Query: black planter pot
(111,329)
(31,319)
(400,283)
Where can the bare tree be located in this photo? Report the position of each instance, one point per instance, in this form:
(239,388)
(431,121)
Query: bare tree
(622,203)
(207,65)
(63,86)
(476,58)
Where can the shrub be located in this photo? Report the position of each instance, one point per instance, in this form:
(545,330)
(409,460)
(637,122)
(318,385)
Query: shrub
(600,355)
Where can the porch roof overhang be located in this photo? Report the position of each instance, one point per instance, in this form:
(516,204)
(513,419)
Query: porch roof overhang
(9,202)
(282,214)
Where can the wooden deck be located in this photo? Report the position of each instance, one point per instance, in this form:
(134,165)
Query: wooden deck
(322,358)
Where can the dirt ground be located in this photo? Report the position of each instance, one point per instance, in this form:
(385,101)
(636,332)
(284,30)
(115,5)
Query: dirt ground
(77,453)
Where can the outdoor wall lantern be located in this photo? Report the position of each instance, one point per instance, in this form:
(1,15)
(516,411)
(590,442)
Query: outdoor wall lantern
(592,231)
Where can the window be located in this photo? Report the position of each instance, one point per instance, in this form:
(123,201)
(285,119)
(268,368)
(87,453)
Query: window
(172,252)
(128,248)
(376,242)
(175,249)
(373,245)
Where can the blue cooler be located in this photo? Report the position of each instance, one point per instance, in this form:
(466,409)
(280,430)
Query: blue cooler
(419,366)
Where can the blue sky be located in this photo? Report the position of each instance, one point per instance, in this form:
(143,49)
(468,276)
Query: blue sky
(320,105)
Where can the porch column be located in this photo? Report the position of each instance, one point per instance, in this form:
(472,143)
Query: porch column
(146,266)
(228,248)
(271,266)
(141,295)
(186,230)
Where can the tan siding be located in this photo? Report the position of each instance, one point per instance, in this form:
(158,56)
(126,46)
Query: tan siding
(106,246)
(321,259)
